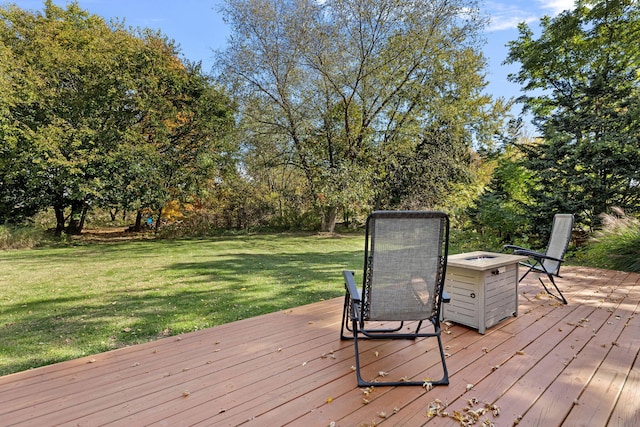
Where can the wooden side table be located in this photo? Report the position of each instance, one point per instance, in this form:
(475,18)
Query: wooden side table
(483,287)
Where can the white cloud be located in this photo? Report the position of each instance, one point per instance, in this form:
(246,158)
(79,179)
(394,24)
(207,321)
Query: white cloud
(507,22)
(556,6)
(507,14)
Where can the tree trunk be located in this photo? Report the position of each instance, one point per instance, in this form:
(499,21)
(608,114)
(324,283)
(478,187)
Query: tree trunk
(59,211)
(137,227)
(78,210)
(85,209)
(329,218)
(158,220)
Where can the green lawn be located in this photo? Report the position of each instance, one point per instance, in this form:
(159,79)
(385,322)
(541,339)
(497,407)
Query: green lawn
(66,302)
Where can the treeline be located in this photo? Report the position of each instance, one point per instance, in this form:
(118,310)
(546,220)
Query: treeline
(318,113)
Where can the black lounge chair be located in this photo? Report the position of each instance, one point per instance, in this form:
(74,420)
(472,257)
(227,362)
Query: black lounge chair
(405,260)
(549,261)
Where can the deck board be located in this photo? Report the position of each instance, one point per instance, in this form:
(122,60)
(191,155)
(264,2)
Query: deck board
(551,365)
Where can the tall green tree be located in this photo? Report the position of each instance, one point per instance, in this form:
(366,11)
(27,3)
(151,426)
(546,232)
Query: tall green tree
(182,129)
(99,114)
(582,82)
(71,109)
(348,90)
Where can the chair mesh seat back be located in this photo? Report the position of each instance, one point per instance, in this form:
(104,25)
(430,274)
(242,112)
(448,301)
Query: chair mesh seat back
(405,263)
(558,242)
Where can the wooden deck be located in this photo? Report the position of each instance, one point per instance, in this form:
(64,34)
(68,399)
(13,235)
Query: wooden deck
(552,365)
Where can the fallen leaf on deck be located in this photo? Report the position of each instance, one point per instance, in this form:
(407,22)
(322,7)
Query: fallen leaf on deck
(367,391)
(495,410)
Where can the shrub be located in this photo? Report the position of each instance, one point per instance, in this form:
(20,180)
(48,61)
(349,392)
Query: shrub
(616,246)
(469,241)
(20,237)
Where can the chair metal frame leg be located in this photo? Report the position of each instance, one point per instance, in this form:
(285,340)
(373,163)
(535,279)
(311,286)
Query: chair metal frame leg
(559,297)
(539,268)
(369,335)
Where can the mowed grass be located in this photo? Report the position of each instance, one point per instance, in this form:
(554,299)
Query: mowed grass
(67,302)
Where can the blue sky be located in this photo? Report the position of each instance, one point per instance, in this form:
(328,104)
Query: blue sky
(198,28)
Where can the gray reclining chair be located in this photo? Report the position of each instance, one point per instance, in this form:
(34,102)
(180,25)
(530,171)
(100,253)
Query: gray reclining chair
(405,260)
(549,261)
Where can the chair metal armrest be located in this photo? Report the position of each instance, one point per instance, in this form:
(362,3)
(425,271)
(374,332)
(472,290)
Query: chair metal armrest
(354,295)
(536,255)
(350,285)
(513,248)
(528,252)
(446,298)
